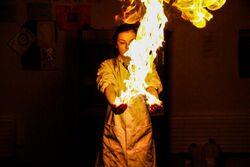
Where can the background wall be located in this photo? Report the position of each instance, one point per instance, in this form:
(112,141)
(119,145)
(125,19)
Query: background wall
(40,116)
(207,96)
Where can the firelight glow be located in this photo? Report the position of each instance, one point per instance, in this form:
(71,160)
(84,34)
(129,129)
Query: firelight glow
(196,10)
(150,37)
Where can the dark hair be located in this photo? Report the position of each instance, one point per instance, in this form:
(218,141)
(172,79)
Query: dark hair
(122,28)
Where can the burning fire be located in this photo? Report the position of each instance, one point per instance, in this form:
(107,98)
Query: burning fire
(150,36)
(195,10)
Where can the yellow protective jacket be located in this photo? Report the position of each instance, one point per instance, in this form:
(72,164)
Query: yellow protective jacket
(127,138)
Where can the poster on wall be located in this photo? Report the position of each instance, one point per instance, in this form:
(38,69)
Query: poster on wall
(39,11)
(35,43)
(22,40)
(244,53)
(73,17)
(47,44)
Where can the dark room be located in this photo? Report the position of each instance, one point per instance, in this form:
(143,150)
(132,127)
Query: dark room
(125,83)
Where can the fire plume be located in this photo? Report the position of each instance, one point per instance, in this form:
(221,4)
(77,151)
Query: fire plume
(196,11)
(143,49)
(150,36)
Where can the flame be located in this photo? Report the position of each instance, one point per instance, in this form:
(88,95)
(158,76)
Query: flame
(150,37)
(143,49)
(195,10)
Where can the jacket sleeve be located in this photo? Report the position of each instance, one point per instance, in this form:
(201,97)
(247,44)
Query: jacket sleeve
(153,80)
(105,75)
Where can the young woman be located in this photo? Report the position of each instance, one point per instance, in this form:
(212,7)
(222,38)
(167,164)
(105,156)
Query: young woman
(127,135)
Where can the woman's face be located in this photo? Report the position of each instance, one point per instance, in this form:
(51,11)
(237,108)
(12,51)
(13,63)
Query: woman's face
(123,41)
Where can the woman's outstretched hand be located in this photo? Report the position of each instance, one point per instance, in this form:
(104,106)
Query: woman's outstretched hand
(154,108)
(119,109)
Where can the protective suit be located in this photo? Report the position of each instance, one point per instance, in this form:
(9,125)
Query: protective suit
(127,137)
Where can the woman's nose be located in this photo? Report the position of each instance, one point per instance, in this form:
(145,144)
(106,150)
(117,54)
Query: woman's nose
(126,46)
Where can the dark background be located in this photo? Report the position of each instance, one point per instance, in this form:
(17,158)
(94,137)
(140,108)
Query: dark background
(54,116)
